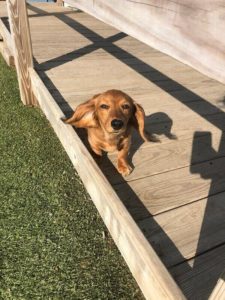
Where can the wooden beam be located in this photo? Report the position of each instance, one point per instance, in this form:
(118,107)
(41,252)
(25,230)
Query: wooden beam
(151,275)
(219,291)
(190,31)
(22,49)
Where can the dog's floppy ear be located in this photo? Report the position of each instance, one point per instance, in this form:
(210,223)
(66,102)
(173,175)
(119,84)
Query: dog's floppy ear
(138,121)
(84,115)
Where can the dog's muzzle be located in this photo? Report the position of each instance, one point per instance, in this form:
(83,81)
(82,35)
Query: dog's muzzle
(117,124)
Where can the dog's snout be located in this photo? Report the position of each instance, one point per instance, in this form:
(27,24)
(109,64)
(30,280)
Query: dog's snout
(117,124)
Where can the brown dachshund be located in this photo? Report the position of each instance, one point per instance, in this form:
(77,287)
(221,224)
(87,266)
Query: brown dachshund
(109,118)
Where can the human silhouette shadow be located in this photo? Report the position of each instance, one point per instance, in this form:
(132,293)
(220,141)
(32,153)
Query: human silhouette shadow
(211,234)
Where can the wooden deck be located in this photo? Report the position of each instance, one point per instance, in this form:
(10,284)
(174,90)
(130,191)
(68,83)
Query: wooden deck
(176,193)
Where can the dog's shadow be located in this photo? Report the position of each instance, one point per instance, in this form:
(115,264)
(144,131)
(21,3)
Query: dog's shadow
(158,126)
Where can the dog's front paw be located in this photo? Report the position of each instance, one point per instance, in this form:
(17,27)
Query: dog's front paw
(124,169)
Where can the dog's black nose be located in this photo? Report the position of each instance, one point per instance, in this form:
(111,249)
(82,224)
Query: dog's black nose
(117,124)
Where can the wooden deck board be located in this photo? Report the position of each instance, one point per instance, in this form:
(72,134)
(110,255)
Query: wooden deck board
(181,182)
(198,280)
(169,190)
(173,228)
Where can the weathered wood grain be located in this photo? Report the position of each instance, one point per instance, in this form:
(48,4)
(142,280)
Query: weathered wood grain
(191,31)
(181,228)
(198,280)
(218,292)
(172,189)
(209,91)
(22,48)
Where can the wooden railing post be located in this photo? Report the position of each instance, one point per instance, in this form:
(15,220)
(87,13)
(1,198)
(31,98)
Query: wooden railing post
(22,48)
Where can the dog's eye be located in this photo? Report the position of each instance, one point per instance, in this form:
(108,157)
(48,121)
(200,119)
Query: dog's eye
(104,106)
(125,106)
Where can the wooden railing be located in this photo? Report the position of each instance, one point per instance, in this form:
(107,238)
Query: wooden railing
(22,49)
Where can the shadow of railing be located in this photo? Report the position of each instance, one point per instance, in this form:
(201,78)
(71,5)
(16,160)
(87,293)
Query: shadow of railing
(186,97)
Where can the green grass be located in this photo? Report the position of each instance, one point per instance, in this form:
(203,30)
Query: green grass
(51,236)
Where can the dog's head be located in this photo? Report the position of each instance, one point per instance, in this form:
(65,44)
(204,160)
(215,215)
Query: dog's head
(113,111)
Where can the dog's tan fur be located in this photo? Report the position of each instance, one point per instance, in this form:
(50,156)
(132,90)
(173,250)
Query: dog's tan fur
(97,114)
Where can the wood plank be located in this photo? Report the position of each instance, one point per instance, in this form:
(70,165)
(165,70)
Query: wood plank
(209,92)
(169,190)
(132,83)
(139,255)
(121,81)
(198,281)
(183,74)
(22,49)
(50,8)
(183,233)
(175,27)
(92,68)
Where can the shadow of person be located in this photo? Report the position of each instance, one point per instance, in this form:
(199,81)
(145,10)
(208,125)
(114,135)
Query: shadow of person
(211,233)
